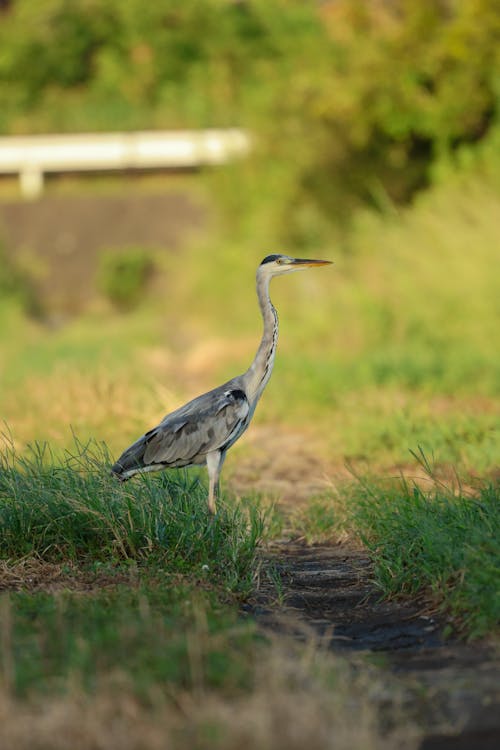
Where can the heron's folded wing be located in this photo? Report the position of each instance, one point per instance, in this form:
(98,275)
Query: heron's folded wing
(208,425)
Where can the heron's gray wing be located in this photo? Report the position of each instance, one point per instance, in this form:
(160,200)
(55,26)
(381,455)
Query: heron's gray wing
(208,423)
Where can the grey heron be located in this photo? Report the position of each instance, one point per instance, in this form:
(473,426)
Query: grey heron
(203,430)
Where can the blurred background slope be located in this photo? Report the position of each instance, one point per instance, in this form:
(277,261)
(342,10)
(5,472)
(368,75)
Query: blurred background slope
(376,130)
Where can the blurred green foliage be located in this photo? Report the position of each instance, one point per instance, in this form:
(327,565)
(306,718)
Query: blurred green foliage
(337,92)
(123,275)
(17,284)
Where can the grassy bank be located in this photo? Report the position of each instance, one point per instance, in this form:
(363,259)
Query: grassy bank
(428,538)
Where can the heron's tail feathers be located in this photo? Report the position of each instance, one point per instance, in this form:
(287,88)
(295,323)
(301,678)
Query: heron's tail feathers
(131,461)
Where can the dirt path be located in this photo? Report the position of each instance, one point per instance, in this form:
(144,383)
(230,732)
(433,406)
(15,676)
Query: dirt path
(449,688)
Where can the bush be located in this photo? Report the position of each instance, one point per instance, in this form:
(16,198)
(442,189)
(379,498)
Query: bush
(17,284)
(123,275)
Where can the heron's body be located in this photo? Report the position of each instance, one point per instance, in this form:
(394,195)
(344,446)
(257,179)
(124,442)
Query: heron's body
(202,431)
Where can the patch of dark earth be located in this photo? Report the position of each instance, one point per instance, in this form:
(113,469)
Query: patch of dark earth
(448,688)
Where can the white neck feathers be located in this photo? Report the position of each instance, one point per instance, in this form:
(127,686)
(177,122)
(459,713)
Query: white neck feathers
(259,372)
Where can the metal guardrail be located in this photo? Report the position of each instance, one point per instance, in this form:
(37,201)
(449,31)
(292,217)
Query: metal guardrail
(33,156)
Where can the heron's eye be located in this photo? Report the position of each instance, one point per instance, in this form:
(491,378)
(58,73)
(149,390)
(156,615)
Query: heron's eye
(280,260)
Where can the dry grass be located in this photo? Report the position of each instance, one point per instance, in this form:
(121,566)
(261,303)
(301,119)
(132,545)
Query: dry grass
(87,403)
(35,574)
(368,428)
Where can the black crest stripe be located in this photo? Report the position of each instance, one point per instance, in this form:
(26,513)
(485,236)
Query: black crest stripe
(270,258)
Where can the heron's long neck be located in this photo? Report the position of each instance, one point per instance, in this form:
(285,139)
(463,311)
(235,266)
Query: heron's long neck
(261,368)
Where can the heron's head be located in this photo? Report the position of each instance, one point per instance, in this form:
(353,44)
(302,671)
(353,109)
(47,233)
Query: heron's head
(275,265)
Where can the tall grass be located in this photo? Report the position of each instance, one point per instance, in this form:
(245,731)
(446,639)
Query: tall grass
(76,511)
(437,541)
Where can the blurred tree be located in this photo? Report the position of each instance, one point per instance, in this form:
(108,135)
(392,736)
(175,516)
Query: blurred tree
(352,100)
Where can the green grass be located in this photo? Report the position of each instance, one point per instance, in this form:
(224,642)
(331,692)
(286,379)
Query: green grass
(443,543)
(149,580)
(77,511)
(158,635)
(428,538)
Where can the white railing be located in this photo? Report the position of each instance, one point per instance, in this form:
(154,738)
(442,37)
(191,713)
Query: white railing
(33,156)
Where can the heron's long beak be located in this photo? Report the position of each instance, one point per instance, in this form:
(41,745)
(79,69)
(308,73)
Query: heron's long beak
(309,262)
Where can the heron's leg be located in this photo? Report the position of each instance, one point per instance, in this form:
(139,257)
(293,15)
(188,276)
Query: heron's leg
(215,459)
